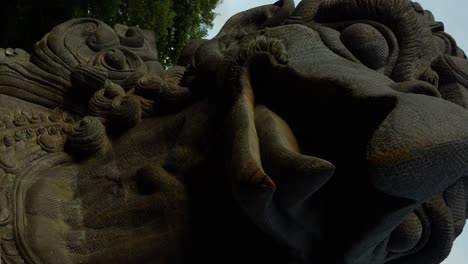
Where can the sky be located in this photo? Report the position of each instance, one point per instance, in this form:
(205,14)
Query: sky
(451,12)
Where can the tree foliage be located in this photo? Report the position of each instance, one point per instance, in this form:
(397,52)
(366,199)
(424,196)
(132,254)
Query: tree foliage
(175,22)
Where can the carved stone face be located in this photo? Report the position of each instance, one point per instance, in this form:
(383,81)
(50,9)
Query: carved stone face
(333,121)
(374,96)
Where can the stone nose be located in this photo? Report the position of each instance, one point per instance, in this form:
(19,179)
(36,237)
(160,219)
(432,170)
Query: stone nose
(420,149)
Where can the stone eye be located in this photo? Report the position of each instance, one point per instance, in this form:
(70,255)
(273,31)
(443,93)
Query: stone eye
(367,44)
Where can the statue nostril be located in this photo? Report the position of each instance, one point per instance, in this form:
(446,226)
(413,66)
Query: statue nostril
(417,87)
(148,180)
(407,235)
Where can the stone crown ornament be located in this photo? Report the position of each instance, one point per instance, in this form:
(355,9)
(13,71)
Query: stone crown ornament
(331,132)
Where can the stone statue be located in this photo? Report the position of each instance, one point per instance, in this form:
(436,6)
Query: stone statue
(331,132)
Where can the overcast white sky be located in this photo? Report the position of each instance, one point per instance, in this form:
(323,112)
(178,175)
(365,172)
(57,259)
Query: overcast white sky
(451,12)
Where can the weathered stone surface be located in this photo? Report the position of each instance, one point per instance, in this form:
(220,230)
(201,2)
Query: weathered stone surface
(331,132)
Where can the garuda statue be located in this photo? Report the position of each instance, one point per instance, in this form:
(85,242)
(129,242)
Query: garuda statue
(333,131)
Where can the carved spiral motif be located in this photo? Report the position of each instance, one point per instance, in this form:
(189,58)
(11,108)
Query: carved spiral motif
(149,86)
(126,112)
(133,38)
(102,37)
(271,45)
(100,105)
(119,62)
(172,93)
(88,137)
(113,90)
